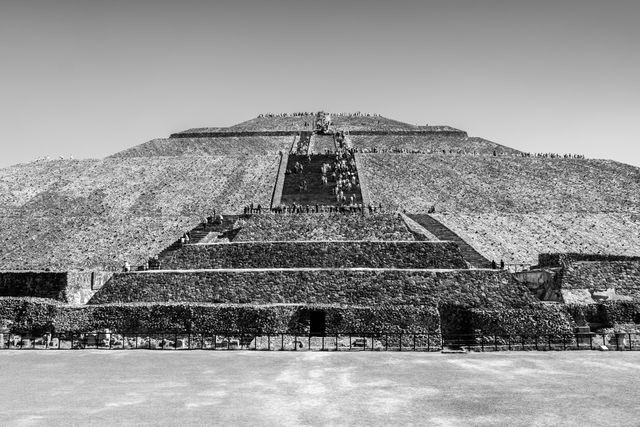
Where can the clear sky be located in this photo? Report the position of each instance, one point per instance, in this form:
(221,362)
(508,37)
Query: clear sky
(89,78)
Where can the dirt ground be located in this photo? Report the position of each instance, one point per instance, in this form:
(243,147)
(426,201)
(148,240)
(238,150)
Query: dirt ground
(314,388)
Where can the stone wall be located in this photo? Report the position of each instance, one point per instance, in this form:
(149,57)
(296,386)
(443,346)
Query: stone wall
(277,189)
(563,259)
(608,314)
(75,287)
(42,284)
(541,320)
(322,226)
(542,283)
(623,276)
(337,254)
(25,315)
(369,287)
(82,285)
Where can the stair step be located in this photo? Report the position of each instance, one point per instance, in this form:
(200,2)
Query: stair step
(442,232)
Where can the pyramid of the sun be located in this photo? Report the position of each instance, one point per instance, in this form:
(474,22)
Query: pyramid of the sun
(423,213)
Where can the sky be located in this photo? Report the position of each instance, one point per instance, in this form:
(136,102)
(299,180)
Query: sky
(88,78)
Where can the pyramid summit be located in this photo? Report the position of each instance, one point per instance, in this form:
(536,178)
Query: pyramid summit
(356,213)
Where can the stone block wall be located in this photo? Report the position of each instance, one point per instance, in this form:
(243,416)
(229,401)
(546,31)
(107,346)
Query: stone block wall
(75,287)
(563,259)
(343,254)
(623,276)
(368,287)
(42,284)
(543,319)
(27,315)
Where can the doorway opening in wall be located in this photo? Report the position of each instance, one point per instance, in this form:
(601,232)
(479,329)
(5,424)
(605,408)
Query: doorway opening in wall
(317,322)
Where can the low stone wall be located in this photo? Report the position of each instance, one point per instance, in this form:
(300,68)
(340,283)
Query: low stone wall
(449,132)
(82,285)
(279,185)
(369,287)
(539,320)
(608,314)
(43,284)
(623,276)
(364,184)
(343,254)
(75,287)
(563,259)
(542,283)
(28,315)
(232,132)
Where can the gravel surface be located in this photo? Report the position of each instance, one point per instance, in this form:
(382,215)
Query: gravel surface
(360,388)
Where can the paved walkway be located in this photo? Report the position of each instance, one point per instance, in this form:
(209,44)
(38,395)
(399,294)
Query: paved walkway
(255,388)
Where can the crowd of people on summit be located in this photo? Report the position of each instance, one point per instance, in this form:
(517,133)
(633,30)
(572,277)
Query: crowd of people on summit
(306,113)
(495,153)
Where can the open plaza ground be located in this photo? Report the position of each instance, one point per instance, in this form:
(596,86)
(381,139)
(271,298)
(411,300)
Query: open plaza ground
(313,388)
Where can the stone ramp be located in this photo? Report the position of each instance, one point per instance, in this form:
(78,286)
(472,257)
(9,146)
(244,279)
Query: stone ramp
(442,232)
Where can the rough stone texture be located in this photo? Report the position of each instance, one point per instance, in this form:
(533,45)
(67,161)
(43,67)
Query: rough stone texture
(623,276)
(336,254)
(520,238)
(354,123)
(82,285)
(76,287)
(279,185)
(32,314)
(505,184)
(542,283)
(323,226)
(429,143)
(210,146)
(619,315)
(40,284)
(470,288)
(565,259)
(364,184)
(95,214)
(540,320)
(418,230)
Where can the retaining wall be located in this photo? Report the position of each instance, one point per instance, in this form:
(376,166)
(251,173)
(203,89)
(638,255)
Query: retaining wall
(369,287)
(623,276)
(75,287)
(316,254)
(562,259)
(29,315)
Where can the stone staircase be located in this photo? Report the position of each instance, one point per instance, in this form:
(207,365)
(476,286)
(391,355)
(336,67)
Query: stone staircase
(203,232)
(302,144)
(316,193)
(442,232)
(321,143)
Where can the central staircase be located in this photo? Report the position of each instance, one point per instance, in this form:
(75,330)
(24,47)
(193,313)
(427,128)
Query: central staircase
(316,193)
(321,143)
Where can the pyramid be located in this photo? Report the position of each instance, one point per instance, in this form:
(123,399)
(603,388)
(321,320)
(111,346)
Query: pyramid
(323,223)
